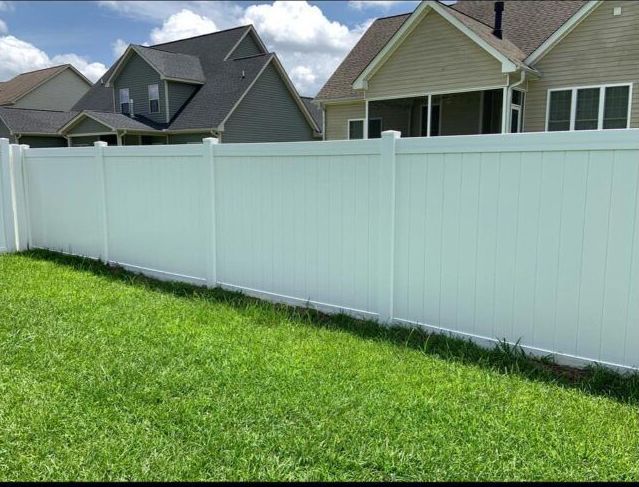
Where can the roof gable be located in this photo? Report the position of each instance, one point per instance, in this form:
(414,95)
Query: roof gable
(169,65)
(16,88)
(504,51)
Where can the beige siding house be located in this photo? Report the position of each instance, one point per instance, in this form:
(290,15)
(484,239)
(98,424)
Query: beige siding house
(56,88)
(481,67)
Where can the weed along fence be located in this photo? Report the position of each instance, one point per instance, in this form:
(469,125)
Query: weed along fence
(530,237)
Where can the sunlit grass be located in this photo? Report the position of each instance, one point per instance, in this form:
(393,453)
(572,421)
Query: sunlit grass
(109,376)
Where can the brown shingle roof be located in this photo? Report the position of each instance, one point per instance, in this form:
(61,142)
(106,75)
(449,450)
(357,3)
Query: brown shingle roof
(16,88)
(526,25)
(373,40)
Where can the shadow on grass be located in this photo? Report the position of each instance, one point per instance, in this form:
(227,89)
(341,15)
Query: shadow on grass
(503,358)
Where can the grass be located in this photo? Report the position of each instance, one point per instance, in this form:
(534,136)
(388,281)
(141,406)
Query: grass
(105,375)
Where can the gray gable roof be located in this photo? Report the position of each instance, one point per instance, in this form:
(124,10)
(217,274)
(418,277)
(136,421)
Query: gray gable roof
(224,82)
(26,121)
(173,65)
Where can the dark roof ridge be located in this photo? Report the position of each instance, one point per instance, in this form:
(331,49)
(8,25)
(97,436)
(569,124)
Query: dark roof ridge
(43,69)
(9,107)
(393,16)
(201,35)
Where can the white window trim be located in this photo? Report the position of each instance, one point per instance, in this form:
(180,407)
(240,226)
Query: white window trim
(602,94)
(128,102)
(519,109)
(148,94)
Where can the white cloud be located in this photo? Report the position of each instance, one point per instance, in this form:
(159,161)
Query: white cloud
(182,24)
(362,4)
(18,56)
(297,32)
(3,27)
(119,46)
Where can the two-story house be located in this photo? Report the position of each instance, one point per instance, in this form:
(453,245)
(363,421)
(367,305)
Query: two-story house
(34,105)
(480,67)
(225,84)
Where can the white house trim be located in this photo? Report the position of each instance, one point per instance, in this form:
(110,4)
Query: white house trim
(562,32)
(361,82)
(246,33)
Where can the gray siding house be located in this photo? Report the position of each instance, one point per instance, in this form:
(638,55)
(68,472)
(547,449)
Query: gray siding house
(224,84)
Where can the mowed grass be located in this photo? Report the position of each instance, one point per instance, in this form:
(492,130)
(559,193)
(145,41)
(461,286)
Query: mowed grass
(105,375)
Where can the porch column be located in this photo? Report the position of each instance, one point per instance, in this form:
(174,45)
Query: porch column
(366,119)
(505,112)
(428,123)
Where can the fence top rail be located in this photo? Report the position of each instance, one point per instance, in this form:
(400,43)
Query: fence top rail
(622,139)
(313,148)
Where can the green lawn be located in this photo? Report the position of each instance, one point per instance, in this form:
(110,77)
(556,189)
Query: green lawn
(109,376)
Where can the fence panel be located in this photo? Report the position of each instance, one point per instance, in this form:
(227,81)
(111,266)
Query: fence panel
(538,244)
(156,209)
(63,200)
(300,225)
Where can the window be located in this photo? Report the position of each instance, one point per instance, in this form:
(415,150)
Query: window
(589,108)
(559,111)
(616,105)
(125,103)
(587,115)
(516,111)
(356,128)
(154,99)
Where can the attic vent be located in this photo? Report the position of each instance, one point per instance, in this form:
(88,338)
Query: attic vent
(243,75)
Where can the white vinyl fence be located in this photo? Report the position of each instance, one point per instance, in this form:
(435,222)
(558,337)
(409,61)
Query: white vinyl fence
(531,237)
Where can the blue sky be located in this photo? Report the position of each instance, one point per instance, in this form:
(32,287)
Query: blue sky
(311,38)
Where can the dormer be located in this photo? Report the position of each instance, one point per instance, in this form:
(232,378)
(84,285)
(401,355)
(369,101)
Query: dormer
(153,84)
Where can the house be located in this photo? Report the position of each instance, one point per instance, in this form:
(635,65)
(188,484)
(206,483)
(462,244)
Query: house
(479,67)
(55,88)
(225,84)
(34,105)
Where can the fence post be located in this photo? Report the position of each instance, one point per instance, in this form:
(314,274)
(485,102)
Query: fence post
(25,193)
(387,225)
(17,178)
(208,145)
(99,159)
(6,199)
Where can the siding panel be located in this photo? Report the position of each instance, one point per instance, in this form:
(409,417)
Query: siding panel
(59,93)
(602,49)
(89,126)
(337,117)
(179,93)
(435,57)
(248,47)
(268,113)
